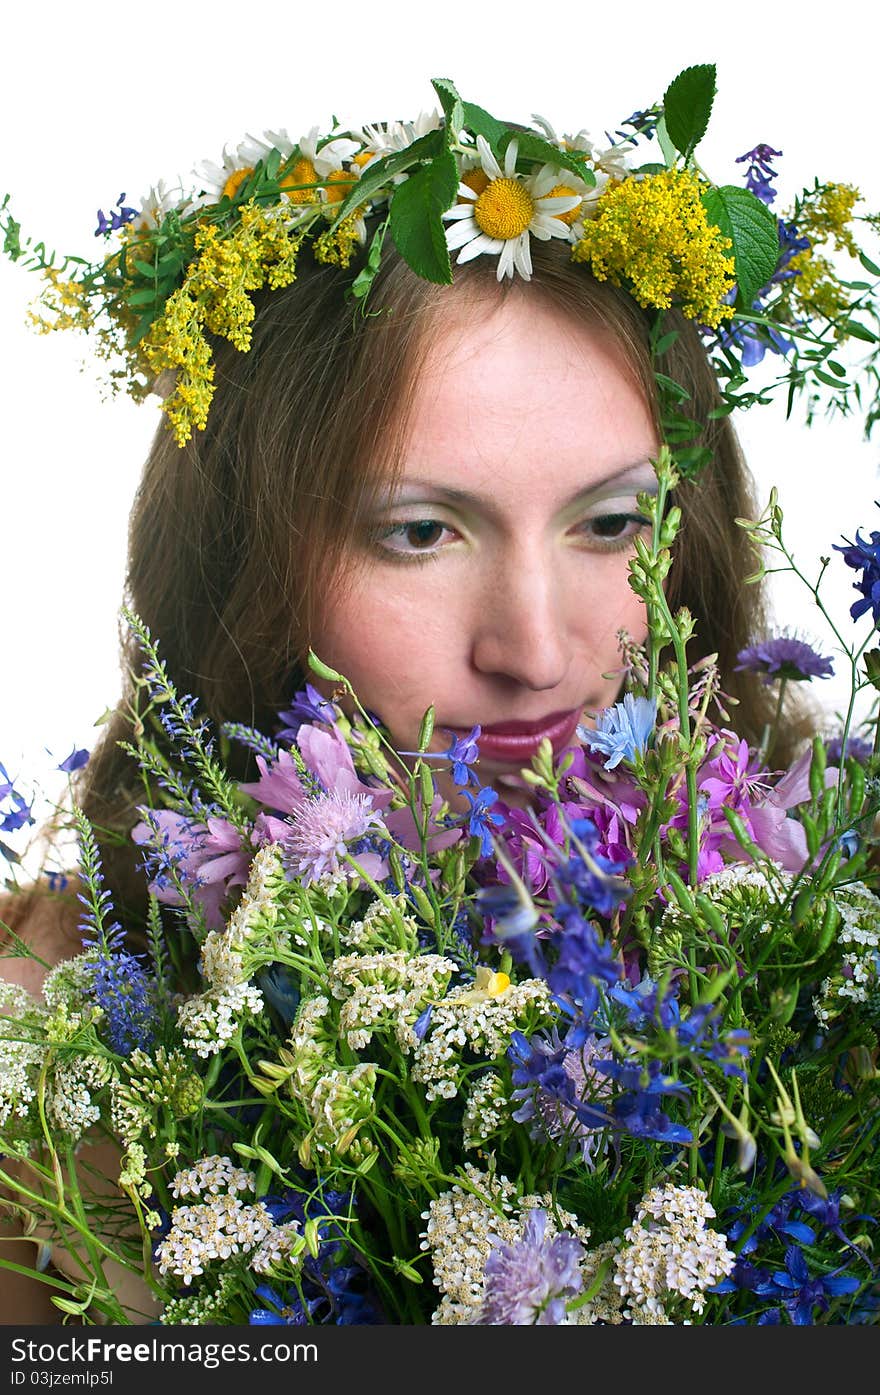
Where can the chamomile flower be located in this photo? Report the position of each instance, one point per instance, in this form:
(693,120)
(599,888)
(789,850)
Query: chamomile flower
(500,216)
(224,180)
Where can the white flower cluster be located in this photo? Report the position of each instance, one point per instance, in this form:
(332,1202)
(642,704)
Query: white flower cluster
(465,1224)
(670,1251)
(209,1020)
(222,1225)
(70,1103)
(337,1099)
(68,984)
(858,977)
(481,1019)
(486,1109)
(21,1054)
(386,992)
(382,928)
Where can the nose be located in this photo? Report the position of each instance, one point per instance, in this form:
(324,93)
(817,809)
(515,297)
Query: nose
(521,630)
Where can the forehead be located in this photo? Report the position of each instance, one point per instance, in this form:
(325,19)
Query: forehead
(519,392)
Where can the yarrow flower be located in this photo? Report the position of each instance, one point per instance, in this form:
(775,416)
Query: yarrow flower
(500,210)
(785,658)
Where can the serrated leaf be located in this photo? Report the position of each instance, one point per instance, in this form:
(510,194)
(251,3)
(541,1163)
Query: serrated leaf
(480,123)
(381,172)
(415,218)
(534,147)
(687,106)
(754,233)
(453,108)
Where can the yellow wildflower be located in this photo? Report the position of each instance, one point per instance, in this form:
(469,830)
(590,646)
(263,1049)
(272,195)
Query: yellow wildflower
(336,246)
(815,289)
(65,301)
(653,234)
(825,215)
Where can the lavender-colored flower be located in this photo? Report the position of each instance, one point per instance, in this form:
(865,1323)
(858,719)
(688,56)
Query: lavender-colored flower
(856,749)
(320,830)
(623,730)
(784,657)
(112,222)
(760,173)
(480,817)
(864,557)
(463,752)
(121,986)
(527,1282)
(552,1081)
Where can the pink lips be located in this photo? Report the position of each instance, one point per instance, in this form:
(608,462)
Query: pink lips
(517,742)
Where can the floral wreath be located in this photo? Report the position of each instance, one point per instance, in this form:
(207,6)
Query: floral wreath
(183,266)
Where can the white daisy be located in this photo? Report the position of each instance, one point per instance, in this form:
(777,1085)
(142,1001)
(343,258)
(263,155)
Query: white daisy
(161,199)
(500,216)
(225,178)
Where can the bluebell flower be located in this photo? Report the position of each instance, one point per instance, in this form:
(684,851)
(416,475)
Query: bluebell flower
(480,817)
(527,1282)
(75,761)
(864,557)
(112,222)
(622,731)
(803,1293)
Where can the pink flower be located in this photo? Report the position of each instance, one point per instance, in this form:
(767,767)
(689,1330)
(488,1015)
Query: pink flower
(319,832)
(207,857)
(279,786)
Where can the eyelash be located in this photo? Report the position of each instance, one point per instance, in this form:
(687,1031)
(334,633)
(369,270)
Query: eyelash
(421,555)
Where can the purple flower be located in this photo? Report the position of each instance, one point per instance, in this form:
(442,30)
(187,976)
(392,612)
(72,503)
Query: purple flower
(308,706)
(528,1281)
(864,557)
(552,1081)
(114,221)
(856,749)
(623,730)
(20,811)
(784,658)
(320,831)
(760,173)
(463,752)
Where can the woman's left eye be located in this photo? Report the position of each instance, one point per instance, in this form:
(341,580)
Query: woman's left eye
(609,531)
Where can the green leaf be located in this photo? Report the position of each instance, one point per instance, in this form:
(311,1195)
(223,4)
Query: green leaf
(138,298)
(868,264)
(381,172)
(453,109)
(669,153)
(482,124)
(415,218)
(687,106)
(146,269)
(859,331)
(752,229)
(534,147)
(361,284)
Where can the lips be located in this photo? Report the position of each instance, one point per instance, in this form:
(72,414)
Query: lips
(516,742)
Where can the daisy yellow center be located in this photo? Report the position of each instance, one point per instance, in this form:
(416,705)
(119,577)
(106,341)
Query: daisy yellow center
(363,157)
(235,181)
(564,191)
(339,185)
(477,180)
(303,172)
(504,209)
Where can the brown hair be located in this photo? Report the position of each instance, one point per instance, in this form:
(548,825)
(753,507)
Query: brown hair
(233,537)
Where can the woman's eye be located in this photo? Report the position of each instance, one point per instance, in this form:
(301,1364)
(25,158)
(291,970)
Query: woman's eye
(422,535)
(614,528)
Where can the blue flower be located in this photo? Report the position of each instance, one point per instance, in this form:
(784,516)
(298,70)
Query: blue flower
(864,557)
(804,1294)
(20,811)
(308,706)
(760,173)
(622,731)
(463,752)
(480,818)
(75,761)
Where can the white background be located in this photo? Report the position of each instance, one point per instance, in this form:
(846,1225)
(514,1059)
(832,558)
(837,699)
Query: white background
(102,98)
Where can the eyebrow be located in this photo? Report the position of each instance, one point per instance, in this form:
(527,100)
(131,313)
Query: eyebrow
(465,496)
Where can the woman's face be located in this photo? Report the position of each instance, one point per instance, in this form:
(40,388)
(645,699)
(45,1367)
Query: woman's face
(494,579)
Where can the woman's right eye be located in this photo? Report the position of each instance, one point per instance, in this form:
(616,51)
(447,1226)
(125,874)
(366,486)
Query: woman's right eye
(419,538)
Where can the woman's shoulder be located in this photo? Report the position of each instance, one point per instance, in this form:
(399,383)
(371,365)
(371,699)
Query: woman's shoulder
(43,920)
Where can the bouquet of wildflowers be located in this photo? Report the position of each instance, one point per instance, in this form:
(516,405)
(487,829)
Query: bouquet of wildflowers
(610,1059)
